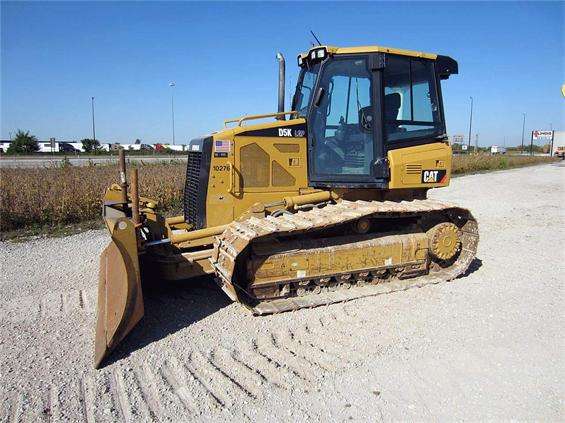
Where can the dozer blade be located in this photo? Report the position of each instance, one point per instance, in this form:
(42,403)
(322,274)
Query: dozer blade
(120,299)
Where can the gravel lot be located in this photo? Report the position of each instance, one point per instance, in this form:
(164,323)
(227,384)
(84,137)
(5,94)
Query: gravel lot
(489,345)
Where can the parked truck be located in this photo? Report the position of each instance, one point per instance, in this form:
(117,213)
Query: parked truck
(496,149)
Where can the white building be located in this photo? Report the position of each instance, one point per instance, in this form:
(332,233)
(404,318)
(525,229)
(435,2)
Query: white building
(131,147)
(45,147)
(175,147)
(4,144)
(71,147)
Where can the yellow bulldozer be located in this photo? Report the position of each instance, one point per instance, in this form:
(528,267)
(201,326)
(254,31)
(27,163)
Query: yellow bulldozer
(321,204)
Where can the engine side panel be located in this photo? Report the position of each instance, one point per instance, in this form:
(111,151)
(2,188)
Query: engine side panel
(255,164)
(422,166)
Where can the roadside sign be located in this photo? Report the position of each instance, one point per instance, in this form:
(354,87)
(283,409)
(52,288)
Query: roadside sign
(542,135)
(464,147)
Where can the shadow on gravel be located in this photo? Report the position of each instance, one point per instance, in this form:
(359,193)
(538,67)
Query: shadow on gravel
(473,267)
(169,307)
(172,306)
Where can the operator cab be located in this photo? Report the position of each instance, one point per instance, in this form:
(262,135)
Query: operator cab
(362,102)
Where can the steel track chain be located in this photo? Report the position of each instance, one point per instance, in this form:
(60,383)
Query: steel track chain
(241,234)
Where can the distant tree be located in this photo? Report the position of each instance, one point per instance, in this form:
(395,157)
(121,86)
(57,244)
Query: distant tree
(23,143)
(90,145)
(137,141)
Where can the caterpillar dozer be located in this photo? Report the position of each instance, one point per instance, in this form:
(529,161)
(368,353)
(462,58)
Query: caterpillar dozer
(324,203)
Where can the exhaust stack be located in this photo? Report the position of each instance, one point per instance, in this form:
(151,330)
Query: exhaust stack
(280,108)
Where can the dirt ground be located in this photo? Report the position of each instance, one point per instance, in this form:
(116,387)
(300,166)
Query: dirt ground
(489,345)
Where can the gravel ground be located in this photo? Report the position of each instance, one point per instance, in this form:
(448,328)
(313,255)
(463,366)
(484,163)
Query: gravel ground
(487,346)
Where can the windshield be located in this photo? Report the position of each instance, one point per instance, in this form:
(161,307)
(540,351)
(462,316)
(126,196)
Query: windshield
(304,89)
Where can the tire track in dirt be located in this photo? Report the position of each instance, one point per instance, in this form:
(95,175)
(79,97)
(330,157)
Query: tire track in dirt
(120,395)
(51,305)
(231,370)
(282,362)
(86,400)
(200,381)
(14,408)
(51,410)
(302,346)
(181,383)
(146,383)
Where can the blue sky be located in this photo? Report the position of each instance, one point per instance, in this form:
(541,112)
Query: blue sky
(55,56)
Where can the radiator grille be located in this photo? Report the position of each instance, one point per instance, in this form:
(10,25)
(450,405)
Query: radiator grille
(413,169)
(192,188)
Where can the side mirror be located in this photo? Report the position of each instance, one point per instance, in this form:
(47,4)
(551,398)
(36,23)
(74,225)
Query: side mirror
(319,96)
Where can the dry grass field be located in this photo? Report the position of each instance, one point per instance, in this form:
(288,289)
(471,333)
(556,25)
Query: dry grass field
(43,197)
(484,162)
(59,196)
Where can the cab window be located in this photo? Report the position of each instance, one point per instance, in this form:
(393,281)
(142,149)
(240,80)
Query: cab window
(341,125)
(411,107)
(307,80)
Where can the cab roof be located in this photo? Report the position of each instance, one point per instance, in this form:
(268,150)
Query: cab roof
(445,65)
(373,49)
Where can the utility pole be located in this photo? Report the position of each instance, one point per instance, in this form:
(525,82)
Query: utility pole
(523,126)
(476,142)
(172,85)
(470,124)
(551,143)
(93,127)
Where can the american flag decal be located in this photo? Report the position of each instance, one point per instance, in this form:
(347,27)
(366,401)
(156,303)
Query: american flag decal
(222,146)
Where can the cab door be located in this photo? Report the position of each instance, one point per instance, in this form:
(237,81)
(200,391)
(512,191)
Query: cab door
(341,122)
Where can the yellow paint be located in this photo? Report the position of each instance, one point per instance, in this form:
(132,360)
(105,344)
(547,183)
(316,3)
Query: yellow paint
(373,49)
(246,176)
(305,260)
(224,204)
(242,119)
(407,165)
